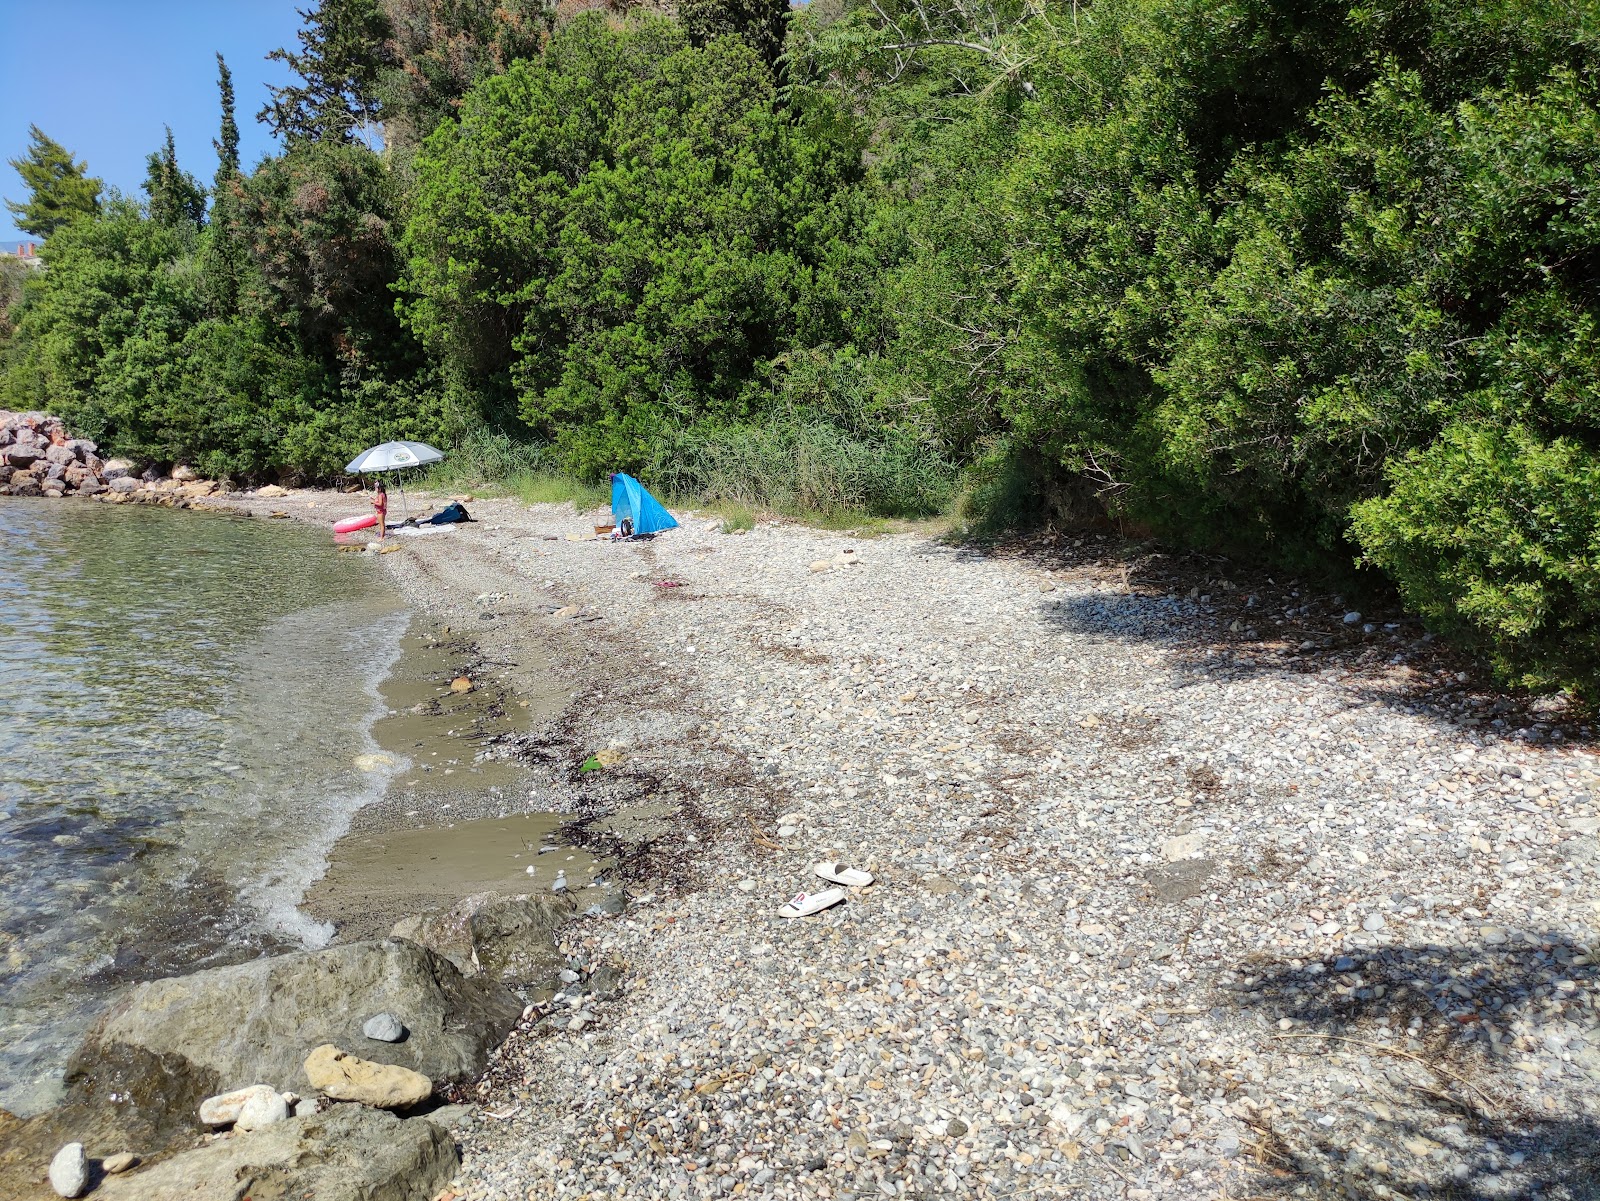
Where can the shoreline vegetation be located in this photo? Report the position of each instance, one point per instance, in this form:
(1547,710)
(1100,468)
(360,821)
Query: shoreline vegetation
(1315,288)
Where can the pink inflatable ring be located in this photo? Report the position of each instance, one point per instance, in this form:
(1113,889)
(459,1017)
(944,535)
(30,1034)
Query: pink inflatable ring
(350,524)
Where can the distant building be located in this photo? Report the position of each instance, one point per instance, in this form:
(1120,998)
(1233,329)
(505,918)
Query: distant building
(27,253)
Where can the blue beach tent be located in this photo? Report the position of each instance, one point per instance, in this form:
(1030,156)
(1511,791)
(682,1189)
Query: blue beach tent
(630,499)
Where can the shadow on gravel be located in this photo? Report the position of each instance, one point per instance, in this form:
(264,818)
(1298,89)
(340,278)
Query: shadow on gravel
(1234,619)
(1446,1124)
(1431,681)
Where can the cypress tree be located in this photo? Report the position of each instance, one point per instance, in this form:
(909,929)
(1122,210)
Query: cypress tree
(176,197)
(224,257)
(228,143)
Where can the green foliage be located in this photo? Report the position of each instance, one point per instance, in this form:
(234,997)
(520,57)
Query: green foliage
(342,56)
(761,23)
(13,275)
(440,48)
(176,197)
(227,141)
(59,189)
(116,337)
(223,253)
(1490,532)
(621,233)
(318,225)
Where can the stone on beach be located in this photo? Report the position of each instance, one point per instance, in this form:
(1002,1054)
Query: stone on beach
(262,1109)
(383,1028)
(224,1109)
(69,1171)
(346,1077)
(122,1161)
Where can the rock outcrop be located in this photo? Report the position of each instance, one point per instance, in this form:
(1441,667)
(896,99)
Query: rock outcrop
(348,1153)
(509,940)
(38,457)
(256,1022)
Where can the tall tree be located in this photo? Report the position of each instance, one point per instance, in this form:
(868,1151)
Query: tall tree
(60,190)
(176,197)
(224,257)
(762,23)
(228,143)
(343,53)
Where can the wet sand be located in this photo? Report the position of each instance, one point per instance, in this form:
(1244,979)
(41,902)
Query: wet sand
(458,817)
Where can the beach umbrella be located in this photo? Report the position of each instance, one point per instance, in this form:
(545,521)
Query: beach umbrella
(395,456)
(391,456)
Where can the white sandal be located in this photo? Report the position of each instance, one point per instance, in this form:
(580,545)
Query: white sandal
(852,877)
(804,906)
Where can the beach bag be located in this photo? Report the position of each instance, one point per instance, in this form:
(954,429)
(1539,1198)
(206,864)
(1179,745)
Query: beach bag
(450,514)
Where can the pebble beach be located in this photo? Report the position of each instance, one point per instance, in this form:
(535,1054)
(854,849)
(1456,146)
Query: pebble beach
(1189,881)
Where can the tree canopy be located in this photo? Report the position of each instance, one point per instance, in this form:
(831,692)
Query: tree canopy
(59,189)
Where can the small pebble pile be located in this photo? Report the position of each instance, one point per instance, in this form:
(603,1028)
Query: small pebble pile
(1196,890)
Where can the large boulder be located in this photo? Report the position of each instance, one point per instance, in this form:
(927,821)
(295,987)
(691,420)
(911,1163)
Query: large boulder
(510,940)
(255,1023)
(349,1153)
(60,455)
(23,454)
(114,468)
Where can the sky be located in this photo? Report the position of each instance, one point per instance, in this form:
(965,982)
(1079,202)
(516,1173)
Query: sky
(102,77)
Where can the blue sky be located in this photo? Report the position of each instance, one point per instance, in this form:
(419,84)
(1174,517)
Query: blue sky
(103,76)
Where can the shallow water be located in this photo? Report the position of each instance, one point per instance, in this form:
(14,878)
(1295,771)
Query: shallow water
(186,706)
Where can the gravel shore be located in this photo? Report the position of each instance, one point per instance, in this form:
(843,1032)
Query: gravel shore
(1187,884)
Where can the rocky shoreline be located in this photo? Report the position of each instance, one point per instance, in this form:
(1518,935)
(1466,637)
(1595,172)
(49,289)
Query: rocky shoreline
(39,458)
(1188,884)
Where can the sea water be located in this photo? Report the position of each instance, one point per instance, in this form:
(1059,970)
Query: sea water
(186,704)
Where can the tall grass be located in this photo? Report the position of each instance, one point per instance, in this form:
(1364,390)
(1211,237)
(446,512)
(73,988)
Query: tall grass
(810,470)
(484,458)
(496,464)
(802,469)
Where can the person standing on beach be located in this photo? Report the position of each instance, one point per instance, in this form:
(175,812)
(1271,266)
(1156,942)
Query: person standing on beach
(380,503)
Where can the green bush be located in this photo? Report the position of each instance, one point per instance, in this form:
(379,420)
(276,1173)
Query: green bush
(1491,534)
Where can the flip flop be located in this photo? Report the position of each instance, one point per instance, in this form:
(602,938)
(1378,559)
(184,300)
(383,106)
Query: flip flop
(852,877)
(804,906)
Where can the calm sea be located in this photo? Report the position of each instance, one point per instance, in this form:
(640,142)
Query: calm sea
(185,710)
